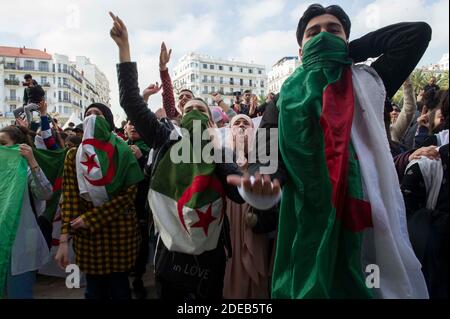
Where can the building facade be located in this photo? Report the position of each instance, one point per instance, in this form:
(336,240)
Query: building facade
(441,66)
(67,89)
(280,72)
(204,75)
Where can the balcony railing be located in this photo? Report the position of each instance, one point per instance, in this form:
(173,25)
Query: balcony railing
(12,82)
(64,85)
(25,68)
(46,84)
(12,98)
(76,103)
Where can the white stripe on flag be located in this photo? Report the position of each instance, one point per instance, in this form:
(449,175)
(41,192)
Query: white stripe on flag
(95,194)
(174,235)
(388,244)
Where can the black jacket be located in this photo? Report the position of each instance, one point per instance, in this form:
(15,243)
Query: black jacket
(155,133)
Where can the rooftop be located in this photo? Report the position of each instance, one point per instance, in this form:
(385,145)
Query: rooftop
(24,53)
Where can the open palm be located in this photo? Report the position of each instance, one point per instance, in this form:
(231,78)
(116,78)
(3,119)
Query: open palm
(164,57)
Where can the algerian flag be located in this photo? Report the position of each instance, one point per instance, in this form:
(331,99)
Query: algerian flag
(187,200)
(341,207)
(13,175)
(105,164)
(52,164)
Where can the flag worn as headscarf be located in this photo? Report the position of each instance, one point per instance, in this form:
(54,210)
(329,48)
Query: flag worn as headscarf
(105,164)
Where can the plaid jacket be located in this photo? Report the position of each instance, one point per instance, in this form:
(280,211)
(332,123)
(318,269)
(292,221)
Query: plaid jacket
(111,242)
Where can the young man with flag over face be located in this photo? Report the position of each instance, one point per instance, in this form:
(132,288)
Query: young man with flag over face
(187,198)
(98,207)
(340,210)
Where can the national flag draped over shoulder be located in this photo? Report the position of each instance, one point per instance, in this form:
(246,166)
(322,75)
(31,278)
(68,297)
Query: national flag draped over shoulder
(52,164)
(13,176)
(105,164)
(187,200)
(337,212)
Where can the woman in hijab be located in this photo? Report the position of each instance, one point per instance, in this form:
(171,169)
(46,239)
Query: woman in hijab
(247,272)
(98,210)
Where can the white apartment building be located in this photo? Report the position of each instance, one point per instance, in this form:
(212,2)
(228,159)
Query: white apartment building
(96,77)
(67,89)
(280,72)
(441,66)
(443,63)
(204,75)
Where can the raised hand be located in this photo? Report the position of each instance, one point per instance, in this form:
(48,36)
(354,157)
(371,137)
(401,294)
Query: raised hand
(43,108)
(152,89)
(119,32)
(164,57)
(22,122)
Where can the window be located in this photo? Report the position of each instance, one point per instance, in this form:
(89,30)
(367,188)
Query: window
(250,71)
(60,109)
(259,71)
(262,83)
(205,79)
(221,80)
(59,96)
(59,67)
(221,67)
(231,90)
(241,82)
(212,78)
(29,65)
(211,66)
(241,70)
(205,90)
(43,66)
(192,77)
(12,77)
(250,82)
(65,68)
(213,89)
(205,66)
(231,69)
(231,81)
(43,80)
(12,108)
(12,94)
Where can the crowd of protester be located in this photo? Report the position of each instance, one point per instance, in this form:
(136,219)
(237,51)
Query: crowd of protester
(114,240)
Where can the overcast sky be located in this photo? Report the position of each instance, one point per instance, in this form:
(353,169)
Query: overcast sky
(262,31)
